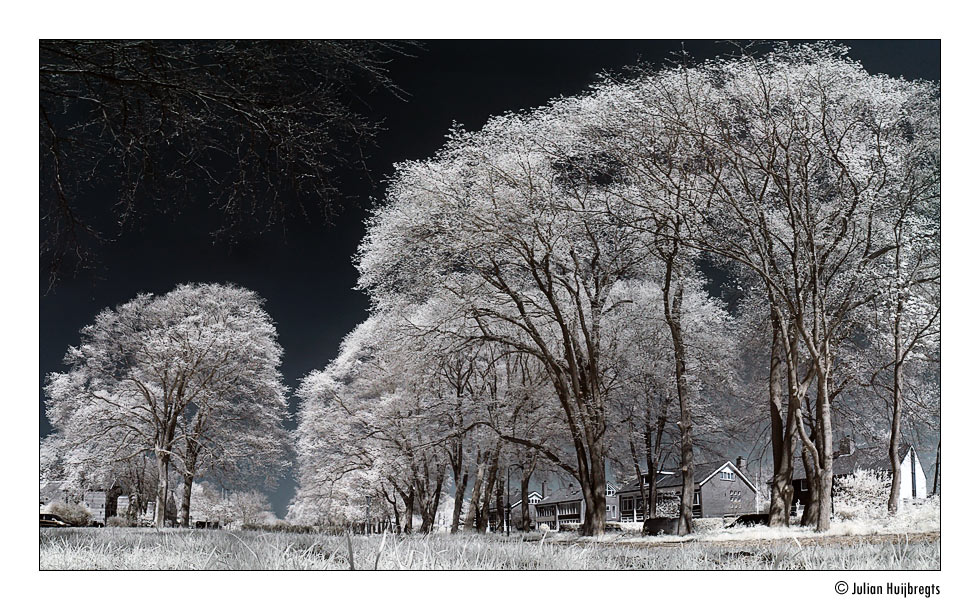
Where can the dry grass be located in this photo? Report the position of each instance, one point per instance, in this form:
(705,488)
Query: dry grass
(122,548)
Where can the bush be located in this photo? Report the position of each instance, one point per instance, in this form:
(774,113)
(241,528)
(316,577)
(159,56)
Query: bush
(862,496)
(280,526)
(75,514)
(669,506)
(117,521)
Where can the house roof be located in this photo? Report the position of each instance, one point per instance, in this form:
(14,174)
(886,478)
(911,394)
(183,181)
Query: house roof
(702,472)
(634,485)
(531,494)
(861,458)
(569,494)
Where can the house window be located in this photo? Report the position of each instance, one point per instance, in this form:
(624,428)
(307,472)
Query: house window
(627,506)
(727,476)
(803,485)
(533,500)
(697,498)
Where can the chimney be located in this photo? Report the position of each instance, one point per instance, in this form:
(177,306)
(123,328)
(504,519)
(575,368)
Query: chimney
(846,446)
(542,489)
(740,463)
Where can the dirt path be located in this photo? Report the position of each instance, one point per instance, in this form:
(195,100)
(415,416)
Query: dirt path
(848,540)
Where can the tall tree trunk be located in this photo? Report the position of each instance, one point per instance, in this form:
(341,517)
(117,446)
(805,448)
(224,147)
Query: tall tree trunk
(672,311)
(489,483)
(639,474)
(826,446)
(185,501)
(525,508)
(594,522)
(163,486)
(896,433)
(409,510)
(190,467)
(653,459)
(500,507)
(810,471)
(783,436)
(935,479)
(472,513)
(458,502)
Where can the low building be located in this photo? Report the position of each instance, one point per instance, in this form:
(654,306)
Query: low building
(533,498)
(566,507)
(721,489)
(849,458)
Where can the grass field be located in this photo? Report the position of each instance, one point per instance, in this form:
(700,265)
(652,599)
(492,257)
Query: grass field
(125,549)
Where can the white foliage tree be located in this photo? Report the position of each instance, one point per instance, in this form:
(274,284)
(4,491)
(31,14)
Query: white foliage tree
(191,373)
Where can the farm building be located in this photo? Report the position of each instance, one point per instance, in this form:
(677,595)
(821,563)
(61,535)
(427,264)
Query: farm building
(720,490)
(533,498)
(849,458)
(566,507)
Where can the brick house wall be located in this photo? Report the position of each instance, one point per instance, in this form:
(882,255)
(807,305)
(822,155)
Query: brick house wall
(722,498)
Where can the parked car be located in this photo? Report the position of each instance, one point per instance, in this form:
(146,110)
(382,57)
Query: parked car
(49,520)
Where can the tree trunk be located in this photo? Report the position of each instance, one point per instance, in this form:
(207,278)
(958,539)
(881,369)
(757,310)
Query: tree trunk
(189,469)
(472,513)
(935,480)
(672,311)
(810,471)
(409,511)
(820,448)
(489,483)
(163,487)
(525,509)
(185,501)
(896,431)
(826,446)
(500,507)
(458,502)
(783,436)
(594,489)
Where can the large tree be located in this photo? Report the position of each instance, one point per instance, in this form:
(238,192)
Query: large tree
(786,164)
(202,352)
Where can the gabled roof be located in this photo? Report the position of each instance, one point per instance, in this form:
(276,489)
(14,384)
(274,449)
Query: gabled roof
(635,484)
(861,458)
(531,494)
(569,494)
(702,473)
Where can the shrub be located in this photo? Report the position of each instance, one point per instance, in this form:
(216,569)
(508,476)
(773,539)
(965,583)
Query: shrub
(117,521)
(669,506)
(862,496)
(280,525)
(75,514)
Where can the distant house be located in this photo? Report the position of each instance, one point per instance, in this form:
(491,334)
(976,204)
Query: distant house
(721,489)
(533,498)
(96,503)
(53,491)
(567,507)
(849,458)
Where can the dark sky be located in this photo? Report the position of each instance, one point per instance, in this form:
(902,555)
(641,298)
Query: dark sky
(308,278)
